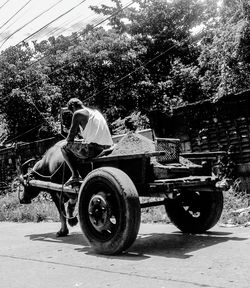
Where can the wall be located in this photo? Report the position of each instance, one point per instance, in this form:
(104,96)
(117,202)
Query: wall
(212,126)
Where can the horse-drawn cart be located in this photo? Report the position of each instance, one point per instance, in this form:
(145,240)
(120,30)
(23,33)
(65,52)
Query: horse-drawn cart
(110,195)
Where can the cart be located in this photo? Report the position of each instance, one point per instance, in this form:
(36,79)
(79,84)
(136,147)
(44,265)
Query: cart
(110,196)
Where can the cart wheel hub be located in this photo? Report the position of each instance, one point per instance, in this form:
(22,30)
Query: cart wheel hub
(99,212)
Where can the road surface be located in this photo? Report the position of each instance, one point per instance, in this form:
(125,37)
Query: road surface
(31,256)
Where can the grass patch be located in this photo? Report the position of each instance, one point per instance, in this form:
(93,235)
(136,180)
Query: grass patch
(39,210)
(43,209)
(236,203)
(156,214)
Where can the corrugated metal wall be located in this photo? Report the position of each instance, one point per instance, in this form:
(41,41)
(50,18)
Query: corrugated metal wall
(222,134)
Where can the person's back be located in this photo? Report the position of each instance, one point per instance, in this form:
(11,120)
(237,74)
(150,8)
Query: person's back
(96,129)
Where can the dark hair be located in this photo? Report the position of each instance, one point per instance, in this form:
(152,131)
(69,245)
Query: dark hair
(74,103)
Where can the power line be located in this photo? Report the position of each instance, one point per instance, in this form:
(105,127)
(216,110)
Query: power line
(9,36)
(4,4)
(15,14)
(68,21)
(102,21)
(17,19)
(76,37)
(45,26)
(60,30)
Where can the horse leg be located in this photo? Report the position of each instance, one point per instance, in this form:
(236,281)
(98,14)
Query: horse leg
(70,210)
(64,231)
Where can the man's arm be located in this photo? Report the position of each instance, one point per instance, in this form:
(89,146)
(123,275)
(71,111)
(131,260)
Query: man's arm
(77,119)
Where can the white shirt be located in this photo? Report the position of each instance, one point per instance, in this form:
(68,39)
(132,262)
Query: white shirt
(96,130)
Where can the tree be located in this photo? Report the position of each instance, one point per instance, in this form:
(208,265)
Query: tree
(150,59)
(164,29)
(224,61)
(27,99)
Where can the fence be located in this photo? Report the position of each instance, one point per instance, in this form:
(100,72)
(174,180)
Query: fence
(11,157)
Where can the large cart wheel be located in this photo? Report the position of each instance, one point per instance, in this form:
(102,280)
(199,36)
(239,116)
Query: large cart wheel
(109,210)
(194,211)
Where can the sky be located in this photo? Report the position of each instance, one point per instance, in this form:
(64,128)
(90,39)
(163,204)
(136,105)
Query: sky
(20,19)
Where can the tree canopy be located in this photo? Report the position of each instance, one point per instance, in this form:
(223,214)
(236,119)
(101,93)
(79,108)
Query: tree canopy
(155,55)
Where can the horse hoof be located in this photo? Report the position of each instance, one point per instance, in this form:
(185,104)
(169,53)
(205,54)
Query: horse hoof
(73,221)
(62,233)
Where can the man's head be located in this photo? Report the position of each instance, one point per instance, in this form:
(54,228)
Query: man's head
(74,104)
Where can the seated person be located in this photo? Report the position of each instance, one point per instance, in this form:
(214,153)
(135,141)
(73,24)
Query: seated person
(94,132)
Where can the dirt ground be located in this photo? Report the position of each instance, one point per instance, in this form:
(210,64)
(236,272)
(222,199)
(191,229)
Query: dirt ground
(31,256)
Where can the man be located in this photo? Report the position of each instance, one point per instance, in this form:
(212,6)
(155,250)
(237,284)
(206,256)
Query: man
(94,132)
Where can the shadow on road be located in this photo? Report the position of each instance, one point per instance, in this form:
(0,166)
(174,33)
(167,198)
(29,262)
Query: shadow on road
(178,245)
(73,238)
(174,245)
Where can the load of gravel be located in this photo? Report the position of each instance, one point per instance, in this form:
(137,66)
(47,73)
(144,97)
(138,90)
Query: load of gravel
(133,143)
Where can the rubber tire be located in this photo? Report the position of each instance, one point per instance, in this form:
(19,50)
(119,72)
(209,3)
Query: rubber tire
(126,199)
(210,208)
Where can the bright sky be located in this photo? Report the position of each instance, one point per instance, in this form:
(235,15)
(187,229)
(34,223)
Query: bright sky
(18,17)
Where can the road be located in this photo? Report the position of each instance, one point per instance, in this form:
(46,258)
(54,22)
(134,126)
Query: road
(31,256)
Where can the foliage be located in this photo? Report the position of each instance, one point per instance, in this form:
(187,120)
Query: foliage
(150,59)
(223,61)
(165,30)
(138,121)
(3,129)
(236,206)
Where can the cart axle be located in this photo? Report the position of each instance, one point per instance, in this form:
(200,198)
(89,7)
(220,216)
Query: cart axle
(153,203)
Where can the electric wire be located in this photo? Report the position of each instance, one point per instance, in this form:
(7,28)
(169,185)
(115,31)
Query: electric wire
(4,4)
(4,40)
(20,16)
(74,38)
(56,30)
(15,14)
(94,22)
(45,26)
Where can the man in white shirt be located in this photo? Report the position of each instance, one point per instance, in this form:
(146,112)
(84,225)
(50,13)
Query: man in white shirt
(94,132)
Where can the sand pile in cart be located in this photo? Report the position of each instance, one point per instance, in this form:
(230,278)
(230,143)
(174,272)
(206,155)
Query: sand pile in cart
(134,143)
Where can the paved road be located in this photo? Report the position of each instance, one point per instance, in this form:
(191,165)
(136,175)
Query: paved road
(31,256)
